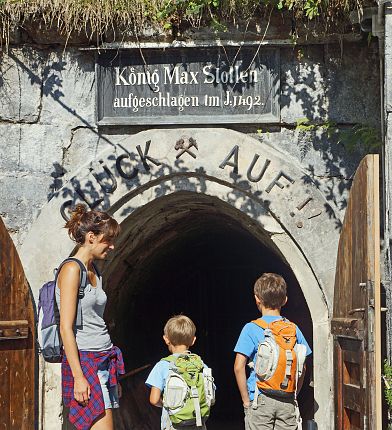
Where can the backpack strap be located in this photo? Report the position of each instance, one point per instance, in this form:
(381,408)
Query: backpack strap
(171,359)
(83,279)
(261,323)
(289,362)
(264,325)
(194,395)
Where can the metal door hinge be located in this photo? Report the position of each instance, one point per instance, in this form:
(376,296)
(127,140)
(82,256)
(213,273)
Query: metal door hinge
(353,311)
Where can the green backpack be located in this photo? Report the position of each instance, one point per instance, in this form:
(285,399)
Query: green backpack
(189,391)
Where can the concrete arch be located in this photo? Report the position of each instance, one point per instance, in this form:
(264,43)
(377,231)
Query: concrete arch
(267,229)
(267,187)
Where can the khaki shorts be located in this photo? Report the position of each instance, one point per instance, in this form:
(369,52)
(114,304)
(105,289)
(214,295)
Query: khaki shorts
(271,414)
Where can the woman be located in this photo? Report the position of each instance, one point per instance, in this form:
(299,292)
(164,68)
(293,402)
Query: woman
(91,363)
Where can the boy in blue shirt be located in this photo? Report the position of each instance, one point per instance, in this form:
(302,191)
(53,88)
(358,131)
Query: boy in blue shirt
(269,412)
(179,336)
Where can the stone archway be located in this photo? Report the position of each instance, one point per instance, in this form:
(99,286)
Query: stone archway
(270,193)
(159,233)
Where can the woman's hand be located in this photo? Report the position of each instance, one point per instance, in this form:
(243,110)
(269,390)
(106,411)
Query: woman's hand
(81,390)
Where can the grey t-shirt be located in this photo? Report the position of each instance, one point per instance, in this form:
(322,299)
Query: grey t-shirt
(93,335)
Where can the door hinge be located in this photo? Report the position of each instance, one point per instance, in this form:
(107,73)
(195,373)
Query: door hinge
(371,305)
(354,311)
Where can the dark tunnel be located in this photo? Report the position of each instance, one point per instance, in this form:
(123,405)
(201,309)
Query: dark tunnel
(202,263)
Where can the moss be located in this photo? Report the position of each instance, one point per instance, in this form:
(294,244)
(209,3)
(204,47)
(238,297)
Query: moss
(387,376)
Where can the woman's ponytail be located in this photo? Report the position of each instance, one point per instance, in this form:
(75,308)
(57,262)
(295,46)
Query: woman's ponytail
(83,220)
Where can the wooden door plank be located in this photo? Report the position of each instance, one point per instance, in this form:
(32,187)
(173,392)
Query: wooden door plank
(375,274)
(17,354)
(356,323)
(353,398)
(5,400)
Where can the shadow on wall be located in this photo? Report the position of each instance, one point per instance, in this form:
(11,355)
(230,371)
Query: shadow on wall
(321,99)
(182,177)
(309,89)
(318,83)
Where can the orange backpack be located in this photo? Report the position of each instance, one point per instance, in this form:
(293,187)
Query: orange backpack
(276,362)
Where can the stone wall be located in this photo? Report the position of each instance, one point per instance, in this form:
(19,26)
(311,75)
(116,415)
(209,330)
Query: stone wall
(48,134)
(48,128)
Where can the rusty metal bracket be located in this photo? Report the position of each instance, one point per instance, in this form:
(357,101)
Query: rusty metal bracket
(347,327)
(14,330)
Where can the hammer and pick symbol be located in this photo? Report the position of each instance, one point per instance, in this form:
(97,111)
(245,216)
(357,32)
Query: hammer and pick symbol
(184,145)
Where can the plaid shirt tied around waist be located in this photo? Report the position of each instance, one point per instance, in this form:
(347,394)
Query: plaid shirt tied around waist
(80,416)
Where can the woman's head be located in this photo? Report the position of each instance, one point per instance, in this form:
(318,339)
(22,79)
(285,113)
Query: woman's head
(92,228)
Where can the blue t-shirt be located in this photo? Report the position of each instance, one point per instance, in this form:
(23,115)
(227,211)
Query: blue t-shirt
(248,342)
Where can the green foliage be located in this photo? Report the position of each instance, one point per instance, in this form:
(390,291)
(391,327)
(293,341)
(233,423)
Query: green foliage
(360,137)
(192,11)
(303,124)
(186,8)
(387,376)
(95,17)
(311,8)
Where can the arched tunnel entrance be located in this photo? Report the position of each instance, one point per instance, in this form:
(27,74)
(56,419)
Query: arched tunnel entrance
(193,254)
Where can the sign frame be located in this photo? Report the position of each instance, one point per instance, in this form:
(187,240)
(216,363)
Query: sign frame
(271,117)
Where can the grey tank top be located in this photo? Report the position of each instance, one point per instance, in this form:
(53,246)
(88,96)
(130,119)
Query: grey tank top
(93,335)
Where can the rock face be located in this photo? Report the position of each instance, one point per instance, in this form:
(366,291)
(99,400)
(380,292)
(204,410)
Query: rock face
(286,185)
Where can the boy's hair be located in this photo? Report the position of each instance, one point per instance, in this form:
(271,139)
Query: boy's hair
(180,330)
(271,289)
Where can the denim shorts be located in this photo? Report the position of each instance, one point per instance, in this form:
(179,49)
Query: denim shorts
(110,394)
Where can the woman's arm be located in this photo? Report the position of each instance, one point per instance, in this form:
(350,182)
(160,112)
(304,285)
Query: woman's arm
(68,282)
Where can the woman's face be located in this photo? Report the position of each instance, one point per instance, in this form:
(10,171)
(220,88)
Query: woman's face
(101,246)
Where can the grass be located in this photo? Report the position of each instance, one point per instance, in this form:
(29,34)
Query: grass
(96,18)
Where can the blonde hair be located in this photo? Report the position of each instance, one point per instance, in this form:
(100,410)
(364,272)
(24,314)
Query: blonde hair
(180,330)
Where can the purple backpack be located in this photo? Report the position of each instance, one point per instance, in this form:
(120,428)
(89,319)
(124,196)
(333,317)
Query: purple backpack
(51,345)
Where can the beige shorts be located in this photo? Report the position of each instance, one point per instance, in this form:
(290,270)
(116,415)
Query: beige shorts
(271,414)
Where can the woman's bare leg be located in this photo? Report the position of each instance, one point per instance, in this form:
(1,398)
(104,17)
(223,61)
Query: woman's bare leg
(104,422)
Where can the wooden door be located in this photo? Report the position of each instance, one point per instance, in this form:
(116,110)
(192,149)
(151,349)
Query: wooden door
(356,325)
(17,341)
